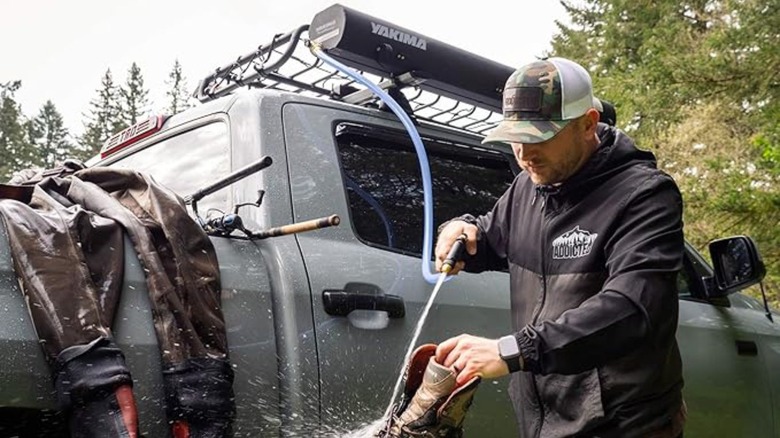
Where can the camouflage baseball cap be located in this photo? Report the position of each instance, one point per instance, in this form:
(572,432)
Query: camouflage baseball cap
(541,98)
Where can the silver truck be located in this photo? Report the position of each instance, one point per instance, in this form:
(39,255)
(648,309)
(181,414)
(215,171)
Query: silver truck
(318,322)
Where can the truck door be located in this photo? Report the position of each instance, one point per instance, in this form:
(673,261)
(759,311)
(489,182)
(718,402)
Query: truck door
(365,170)
(727,387)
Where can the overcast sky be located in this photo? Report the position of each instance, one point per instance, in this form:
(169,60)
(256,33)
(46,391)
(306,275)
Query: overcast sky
(61,49)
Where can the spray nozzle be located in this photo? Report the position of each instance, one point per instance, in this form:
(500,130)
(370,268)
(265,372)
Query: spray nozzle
(455,255)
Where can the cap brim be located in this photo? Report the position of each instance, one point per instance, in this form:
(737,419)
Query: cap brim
(525,131)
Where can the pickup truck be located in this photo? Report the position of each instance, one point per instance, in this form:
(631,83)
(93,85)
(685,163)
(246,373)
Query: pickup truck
(318,322)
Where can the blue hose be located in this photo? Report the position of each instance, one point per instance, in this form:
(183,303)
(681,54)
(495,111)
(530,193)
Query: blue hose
(429,275)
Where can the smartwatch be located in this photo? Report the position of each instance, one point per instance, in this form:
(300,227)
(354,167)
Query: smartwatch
(510,353)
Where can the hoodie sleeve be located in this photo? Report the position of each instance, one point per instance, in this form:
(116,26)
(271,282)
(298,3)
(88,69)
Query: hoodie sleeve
(643,257)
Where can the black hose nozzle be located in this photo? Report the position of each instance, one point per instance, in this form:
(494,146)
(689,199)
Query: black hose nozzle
(455,255)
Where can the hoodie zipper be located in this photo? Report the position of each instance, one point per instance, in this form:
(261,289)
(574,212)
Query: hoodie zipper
(543,239)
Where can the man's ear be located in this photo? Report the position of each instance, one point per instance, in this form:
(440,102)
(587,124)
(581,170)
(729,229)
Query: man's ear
(591,120)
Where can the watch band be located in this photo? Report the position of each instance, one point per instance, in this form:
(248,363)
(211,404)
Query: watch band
(514,364)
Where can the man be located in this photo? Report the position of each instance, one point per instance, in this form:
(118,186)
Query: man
(591,232)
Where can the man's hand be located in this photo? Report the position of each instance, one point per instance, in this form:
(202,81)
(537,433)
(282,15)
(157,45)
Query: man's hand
(447,237)
(472,356)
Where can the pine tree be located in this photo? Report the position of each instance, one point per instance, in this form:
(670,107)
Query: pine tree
(103,119)
(133,98)
(50,137)
(657,57)
(177,93)
(16,152)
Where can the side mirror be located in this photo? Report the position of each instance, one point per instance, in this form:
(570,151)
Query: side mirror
(737,264)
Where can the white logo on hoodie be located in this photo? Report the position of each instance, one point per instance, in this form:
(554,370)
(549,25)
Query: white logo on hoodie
(573,244)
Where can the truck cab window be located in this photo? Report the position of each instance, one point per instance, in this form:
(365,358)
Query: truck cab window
(385,190)
(187,162)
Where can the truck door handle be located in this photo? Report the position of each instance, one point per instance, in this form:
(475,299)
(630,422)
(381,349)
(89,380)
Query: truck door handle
(341,303)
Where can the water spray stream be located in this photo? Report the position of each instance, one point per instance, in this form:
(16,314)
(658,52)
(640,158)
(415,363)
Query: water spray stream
(413,342)
(455,254)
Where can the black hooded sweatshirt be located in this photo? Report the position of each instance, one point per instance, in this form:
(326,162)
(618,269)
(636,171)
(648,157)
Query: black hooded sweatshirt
(593,264)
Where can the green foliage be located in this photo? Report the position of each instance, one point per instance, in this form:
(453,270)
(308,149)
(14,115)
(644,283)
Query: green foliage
(177,93)
(697,82)
(44,140)
(767,141)
(16,152)
(49,135)
(770,152)
(113,109)
(133,98)
(103,118)
(654,57)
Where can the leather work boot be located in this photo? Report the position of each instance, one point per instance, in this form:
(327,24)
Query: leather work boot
(431,406)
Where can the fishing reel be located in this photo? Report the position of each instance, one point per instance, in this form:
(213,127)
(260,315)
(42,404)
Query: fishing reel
(225,224)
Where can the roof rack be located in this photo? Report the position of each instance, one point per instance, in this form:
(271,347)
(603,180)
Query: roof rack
(286,63)
(431,80)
